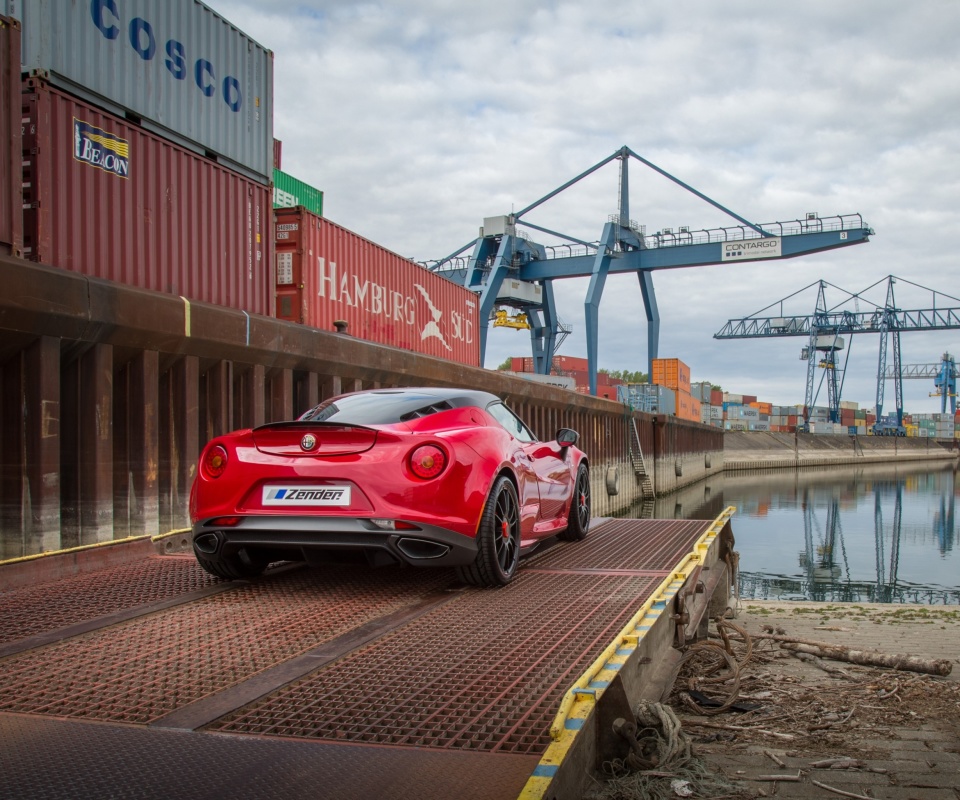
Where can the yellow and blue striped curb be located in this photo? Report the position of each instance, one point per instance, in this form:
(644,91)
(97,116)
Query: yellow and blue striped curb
(581,698)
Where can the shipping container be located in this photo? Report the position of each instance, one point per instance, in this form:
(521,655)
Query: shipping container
(327,274)
(701,391)
(716,397)
(277,154)
(749,398)
(688,407)
(289,192)
(672,373)
(183,70)
(107,199)
(11,198)
(648,397)
(560,381)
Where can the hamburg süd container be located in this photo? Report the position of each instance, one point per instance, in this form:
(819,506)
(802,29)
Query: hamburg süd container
(327,275)
(672,373)
(11,200)
(108,199)
(184,70)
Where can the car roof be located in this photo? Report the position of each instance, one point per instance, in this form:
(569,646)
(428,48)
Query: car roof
(456,397)
(386,406)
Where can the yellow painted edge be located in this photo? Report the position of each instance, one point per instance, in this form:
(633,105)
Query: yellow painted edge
(577,704)
(77,549)
(161,536)
(82,547)
(186,316)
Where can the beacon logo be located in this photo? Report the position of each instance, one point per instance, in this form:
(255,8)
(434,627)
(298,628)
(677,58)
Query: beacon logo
(100,149)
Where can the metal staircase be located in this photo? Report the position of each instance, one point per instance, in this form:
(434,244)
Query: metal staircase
(639,465)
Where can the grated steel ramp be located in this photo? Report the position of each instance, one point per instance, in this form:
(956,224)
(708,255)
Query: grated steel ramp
(39,609)
(67,760)
(140,670)
(483,672)
(379,675)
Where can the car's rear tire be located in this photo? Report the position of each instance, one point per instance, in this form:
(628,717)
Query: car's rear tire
(578,523)
(498,539)
(241,565)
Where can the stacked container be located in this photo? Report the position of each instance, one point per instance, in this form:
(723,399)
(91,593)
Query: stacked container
(148,148)
(108,199)
(290,192)
(178,67)
(672,373)
(11,218)
(330,278)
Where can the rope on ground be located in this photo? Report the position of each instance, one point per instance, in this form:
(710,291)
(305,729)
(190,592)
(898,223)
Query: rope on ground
(718,665)
(660,765)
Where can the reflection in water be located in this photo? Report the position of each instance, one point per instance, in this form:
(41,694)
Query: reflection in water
(880,534)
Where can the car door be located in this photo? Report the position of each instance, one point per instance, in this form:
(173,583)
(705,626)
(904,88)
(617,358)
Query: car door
(553,478)
(521,456)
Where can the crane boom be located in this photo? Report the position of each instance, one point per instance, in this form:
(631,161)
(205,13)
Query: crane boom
(502,252)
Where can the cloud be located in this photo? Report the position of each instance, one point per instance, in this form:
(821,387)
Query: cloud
(419,118)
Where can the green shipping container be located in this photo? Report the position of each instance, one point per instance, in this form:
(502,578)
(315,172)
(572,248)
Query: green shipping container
(289,192)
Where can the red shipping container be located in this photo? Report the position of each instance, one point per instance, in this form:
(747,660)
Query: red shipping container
(108,199)
(327,274)
(672,373)
(11,198)
(749,398)
(716,397)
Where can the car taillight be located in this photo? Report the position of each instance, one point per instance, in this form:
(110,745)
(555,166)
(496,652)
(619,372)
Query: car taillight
(428,461)
(215,461)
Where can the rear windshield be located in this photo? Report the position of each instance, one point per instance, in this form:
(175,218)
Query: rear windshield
(380,409)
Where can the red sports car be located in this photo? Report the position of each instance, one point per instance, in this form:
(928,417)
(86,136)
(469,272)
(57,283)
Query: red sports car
(427,477)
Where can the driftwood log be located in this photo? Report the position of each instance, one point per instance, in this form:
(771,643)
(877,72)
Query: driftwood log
(868,658)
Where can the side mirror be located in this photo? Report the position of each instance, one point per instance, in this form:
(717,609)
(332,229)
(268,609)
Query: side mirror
(567,437)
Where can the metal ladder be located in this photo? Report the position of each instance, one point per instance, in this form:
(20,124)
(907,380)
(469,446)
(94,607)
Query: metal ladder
(639,465)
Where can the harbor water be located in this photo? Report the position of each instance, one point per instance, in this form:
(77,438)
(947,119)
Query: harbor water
(879,534)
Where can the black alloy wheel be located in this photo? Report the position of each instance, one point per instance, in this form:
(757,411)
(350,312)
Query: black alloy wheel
(498,539)
(578,523)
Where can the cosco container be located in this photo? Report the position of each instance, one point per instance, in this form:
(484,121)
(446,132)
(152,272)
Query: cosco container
(328,276)
(181,68)
(110,200)
(672,373)
(289,192)
(11,216)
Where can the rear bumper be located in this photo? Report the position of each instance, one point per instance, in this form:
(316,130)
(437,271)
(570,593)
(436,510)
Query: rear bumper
(310,538)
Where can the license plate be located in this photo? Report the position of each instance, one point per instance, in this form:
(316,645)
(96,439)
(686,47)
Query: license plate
(293,496)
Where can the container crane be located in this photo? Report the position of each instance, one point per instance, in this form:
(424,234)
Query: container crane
(506,269)
(944,376)
(824,327)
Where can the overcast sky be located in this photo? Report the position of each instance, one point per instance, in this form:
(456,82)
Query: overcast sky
(418,119)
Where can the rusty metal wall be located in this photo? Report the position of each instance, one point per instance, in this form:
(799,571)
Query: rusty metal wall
(11,217)
(326,274)
(108,199)
(104,408)
(684,452)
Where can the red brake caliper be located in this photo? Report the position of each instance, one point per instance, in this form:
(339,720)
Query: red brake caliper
(506,530)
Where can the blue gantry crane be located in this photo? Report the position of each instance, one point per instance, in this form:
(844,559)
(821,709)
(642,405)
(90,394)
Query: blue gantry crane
(943,374)
(826,327)
(507,269)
